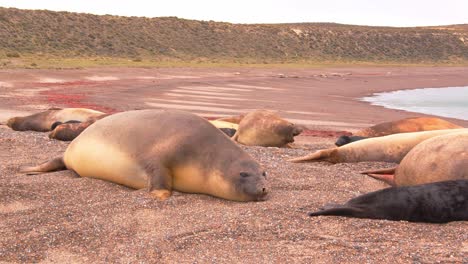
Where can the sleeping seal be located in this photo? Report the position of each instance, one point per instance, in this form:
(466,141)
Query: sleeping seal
(440,158)
(414,124)
(392,148)
(162,150)
(265,128)
(43,121)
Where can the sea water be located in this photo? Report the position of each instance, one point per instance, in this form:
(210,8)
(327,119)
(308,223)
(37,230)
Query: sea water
(446,102)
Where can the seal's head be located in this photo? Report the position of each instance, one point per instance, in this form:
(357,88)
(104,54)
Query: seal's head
(288,131)
(343,140)
(249,179)
(14,123)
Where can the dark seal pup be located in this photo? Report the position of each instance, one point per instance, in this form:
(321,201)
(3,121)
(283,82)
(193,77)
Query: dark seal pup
(162,151)
(438,202)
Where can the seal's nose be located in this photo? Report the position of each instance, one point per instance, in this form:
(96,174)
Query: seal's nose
(262,194)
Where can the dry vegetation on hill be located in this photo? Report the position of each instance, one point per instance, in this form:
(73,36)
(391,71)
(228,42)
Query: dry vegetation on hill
(67,35)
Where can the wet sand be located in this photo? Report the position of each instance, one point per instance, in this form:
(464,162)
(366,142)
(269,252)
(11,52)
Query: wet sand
(59,217)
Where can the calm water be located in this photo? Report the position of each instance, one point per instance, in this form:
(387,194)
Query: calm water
(447,102)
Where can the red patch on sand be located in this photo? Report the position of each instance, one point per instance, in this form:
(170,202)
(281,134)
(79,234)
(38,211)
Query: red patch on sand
(74,100)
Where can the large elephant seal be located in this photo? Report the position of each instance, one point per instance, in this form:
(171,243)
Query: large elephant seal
(162,150)
(440,158)
(70,130)
(392,148)
(265,128)
(407,125)
(43,121)
(438,202)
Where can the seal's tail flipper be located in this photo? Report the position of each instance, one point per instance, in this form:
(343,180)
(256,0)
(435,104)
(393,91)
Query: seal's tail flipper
(340,211)
(321,155)
(53,165)
(385,175)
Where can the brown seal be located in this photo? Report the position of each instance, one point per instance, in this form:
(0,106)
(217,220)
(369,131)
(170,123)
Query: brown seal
(181,152)
(70,130)
(265,128)
(43,121)
(392,148)
(414,124)
(406,125)
(440,158)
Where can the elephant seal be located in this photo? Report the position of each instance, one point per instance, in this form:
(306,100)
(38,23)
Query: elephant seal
(70,130)
(265,128)
(181,152)
(392,148)
(43,121)
(440,158)
(407,125)
(438,202)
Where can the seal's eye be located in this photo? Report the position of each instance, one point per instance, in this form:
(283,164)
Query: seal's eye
(244,174)
(264,174)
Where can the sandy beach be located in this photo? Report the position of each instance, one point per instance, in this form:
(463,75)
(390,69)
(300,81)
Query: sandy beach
(60,217)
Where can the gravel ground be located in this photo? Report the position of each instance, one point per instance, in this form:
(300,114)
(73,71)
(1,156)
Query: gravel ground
(60,217)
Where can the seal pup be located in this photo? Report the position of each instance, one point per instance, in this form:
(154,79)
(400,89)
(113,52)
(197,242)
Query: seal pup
(162,150)
(43,121)
(438,202)
(70,130)
(413,124)
(265,128)
(392,148)
(439,158)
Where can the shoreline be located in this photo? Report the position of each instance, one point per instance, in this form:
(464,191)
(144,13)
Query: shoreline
(320,98)
(401,100)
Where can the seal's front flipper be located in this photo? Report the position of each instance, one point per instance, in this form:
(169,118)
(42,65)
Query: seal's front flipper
(161,194)
(53,165)
(159,183)
(385,175)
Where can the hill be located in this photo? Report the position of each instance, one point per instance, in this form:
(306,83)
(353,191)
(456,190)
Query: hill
(67,35)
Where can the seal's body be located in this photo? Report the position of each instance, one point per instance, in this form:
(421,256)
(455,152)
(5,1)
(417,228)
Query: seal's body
(438,202)
(43,121)
(440,158)
(265,128)
(163,150)
(392,148)
(407,125)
